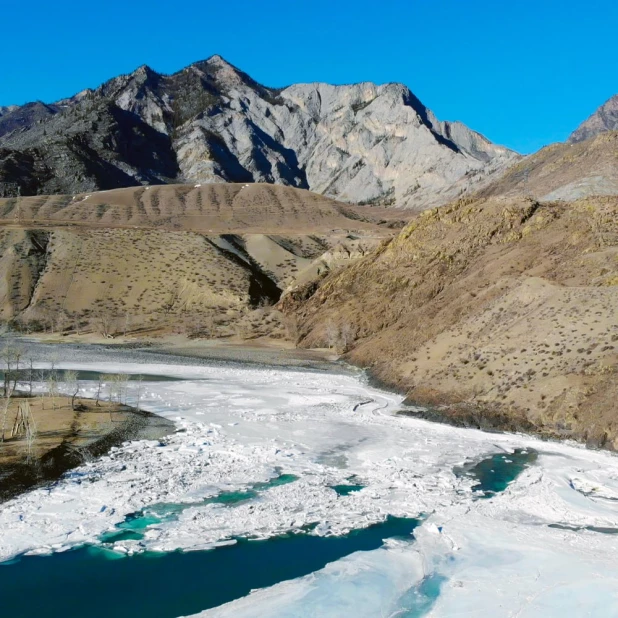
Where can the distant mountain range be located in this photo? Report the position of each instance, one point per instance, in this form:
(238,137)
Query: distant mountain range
(210,122)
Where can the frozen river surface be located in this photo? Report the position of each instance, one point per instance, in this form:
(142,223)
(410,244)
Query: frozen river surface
(262,453)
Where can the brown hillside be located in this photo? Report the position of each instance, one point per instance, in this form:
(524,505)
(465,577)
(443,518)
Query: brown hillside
(206,260)
(568,171)
(505,309)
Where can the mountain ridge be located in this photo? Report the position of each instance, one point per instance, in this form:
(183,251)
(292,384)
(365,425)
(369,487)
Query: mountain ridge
(368,143)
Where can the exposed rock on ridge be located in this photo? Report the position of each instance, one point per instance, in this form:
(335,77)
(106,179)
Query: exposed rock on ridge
(604,119)
(566,172)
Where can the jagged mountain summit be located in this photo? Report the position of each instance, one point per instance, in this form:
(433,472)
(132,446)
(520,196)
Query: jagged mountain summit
(210,122)
(603,120)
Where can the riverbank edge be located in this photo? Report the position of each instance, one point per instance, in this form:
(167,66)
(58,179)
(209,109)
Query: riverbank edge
(424,404)
(55,463)
(431,406)
(438,407)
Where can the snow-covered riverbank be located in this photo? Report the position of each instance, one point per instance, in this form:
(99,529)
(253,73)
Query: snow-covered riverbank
(238,426)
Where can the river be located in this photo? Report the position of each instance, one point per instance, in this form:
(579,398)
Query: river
(301,492)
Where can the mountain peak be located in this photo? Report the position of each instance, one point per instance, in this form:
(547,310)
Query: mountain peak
(144,71)
(215,62)
(603,120)
(225,73)
(217,59)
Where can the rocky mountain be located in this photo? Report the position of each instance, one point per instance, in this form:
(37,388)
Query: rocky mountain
(604,119)
(211,122)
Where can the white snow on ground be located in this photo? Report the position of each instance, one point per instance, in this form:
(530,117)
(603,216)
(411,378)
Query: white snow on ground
(237,425)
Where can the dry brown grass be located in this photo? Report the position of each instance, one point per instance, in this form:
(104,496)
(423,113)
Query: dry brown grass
(209,209)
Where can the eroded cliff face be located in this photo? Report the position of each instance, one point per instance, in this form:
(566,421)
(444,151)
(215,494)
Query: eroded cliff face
(211,122)
(495,312)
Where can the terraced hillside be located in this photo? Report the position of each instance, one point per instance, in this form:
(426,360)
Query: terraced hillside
(216,208)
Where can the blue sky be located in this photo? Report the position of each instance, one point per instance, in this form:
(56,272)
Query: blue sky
(524,73)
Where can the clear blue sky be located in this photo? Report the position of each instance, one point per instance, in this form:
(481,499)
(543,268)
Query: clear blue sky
(524,73)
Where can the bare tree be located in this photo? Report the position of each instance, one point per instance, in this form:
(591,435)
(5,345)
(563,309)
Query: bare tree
(31,434)
(171,301)
(105,323)
(72,385)
(99,387)
(6,359)
(138,391)
(5,411)
(52,387)
(62,321)
(122,382)
(127,323)
(107,380)
(116,386)
(10,357)
(52,369)
(30,375)
(24,425)
(76,323)
(17,354)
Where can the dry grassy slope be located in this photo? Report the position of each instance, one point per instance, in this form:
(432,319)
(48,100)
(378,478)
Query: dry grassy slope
(106,279)
(566,171)
(22,258)
(195,259)
(506,307)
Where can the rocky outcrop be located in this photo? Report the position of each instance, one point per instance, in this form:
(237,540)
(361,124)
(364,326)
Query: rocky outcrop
(604,119)
(211,122)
